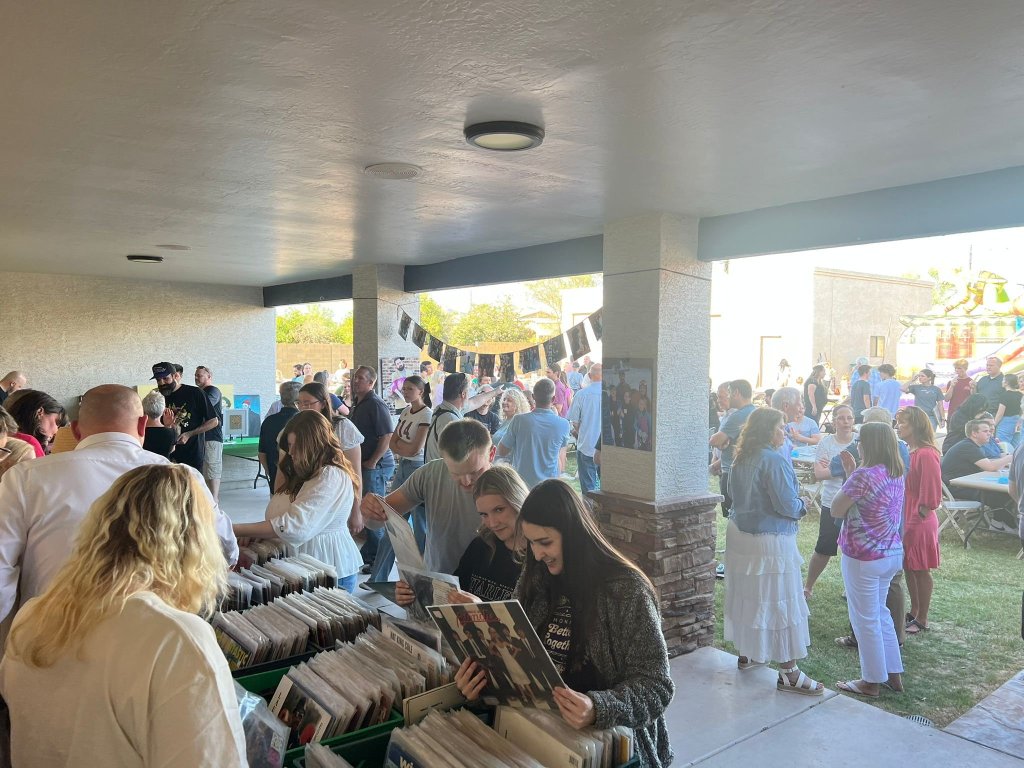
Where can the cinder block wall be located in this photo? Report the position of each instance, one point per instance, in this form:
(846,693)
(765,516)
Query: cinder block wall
(70,333)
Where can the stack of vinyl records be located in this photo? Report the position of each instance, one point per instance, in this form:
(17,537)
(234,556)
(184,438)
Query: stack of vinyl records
(259,550)
(354,686)
(522,738)
(260,584)
(319,756)
(290,624)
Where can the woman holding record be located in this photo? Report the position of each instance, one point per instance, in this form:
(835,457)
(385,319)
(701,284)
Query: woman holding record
(597,615)
(491,564)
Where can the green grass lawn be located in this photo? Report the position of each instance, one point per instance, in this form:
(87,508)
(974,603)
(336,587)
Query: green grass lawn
(973,645)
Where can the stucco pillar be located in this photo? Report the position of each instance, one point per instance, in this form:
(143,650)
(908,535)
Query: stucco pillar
(378,296)
(655,505)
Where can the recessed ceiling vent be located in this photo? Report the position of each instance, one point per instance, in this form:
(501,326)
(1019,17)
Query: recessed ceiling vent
(393,171)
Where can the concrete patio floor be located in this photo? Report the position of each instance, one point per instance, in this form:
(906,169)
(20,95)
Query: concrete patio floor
(723,717)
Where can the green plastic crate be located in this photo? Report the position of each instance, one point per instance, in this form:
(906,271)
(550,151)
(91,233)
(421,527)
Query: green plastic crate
(381,733)
(368,752)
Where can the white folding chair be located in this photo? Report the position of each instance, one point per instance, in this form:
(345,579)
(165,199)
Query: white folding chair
(957,512)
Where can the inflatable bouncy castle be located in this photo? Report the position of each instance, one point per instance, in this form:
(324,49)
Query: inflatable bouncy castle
(980,321)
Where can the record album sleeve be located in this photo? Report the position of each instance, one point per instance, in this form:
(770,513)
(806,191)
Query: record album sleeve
(554,349)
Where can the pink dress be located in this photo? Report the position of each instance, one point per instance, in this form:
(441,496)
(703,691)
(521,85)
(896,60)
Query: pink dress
(924,488)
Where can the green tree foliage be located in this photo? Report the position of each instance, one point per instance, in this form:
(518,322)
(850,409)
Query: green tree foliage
(548,294)
(491,322)
(314,326)
(435,319)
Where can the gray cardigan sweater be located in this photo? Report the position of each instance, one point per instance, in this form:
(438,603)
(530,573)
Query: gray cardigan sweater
(627,648)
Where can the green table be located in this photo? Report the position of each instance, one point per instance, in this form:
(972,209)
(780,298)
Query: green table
(246,448)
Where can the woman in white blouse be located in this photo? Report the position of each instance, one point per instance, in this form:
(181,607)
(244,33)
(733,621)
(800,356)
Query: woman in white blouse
(312,505)
(112,665)
(315,397)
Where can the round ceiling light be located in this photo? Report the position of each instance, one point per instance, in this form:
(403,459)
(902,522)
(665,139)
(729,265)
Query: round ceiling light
(136,258)
(393,171)
(504,136)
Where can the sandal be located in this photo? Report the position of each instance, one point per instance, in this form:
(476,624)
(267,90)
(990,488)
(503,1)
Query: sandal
(804,685)
(745,663)
(850,686)
(846,641)
(915,627)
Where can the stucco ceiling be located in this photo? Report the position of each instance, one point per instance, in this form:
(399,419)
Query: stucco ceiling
(241,128)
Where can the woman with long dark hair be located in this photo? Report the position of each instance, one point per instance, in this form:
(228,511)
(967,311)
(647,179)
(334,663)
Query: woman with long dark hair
(597,614)
(39,416)
(871,507)
(312,503)
(113,664)
(815,393)
(765,608)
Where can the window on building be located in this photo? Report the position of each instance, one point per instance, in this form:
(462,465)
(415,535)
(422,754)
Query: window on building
(877,346)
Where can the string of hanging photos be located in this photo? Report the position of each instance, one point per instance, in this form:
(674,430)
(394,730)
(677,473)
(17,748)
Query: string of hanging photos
(529,359)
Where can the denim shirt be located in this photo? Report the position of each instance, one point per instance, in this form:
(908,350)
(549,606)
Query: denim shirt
(765,495)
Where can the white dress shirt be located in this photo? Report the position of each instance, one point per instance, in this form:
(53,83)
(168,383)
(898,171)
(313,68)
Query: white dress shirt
(42,503)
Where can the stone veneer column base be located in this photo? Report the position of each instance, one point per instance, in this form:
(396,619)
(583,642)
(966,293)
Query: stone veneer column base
(673,542)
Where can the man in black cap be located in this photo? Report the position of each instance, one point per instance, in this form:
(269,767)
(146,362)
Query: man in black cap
(189,409)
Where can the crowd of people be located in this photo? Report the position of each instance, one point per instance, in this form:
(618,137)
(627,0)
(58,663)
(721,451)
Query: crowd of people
(882,478)
(112,554)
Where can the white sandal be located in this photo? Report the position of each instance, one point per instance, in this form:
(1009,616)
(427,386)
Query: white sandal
(804,685)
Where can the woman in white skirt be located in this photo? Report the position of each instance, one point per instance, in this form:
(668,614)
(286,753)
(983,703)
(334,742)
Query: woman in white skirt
(765,610)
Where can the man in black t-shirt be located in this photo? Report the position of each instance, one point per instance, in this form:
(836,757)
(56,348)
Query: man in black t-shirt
(966,458)
(213,464)
(189,409)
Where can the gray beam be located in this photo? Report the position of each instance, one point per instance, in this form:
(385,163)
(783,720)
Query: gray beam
(974,203)
(581,256)
(326,289)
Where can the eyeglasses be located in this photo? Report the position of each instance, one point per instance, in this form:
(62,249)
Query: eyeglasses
(309,403)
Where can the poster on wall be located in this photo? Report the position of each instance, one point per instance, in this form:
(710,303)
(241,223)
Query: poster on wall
(629,384)
(554,349)
(579,345)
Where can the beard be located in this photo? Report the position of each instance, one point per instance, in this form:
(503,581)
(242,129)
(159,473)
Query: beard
(166,389)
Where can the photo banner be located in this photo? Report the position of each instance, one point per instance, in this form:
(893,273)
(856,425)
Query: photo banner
(579,345)
(467,360)
(435,347)
(506,362)
(597,323)
(529,359)
(451,357)
(404,325)
(554,349)
(486,363)
(419,336)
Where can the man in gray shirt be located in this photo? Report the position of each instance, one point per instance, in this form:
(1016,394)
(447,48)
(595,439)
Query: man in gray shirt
(445,487)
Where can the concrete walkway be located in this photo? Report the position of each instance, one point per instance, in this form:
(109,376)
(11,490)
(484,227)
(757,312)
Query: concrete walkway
(722,717)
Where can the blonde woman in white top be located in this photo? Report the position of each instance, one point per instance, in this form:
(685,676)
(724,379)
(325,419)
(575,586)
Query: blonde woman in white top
(311,505)
(828,527)
(112,665)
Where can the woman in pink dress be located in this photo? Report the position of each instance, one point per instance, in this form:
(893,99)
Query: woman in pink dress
(921,525)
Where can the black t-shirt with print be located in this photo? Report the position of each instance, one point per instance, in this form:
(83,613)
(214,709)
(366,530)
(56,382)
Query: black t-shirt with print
(191,409)
(491,576)
(556,637)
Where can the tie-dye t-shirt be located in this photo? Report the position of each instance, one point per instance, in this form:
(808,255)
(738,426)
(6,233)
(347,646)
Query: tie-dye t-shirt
(871,530)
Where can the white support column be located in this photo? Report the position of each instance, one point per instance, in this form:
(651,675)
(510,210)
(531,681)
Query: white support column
(657,304)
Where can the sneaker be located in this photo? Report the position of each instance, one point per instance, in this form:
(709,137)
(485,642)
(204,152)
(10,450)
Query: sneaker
(720,571)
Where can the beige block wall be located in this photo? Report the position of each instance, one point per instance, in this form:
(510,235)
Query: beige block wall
(70,333)
(850,307)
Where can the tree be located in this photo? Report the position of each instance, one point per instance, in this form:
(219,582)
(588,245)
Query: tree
(435,319)
(314,326)
(548,293)
(491,322)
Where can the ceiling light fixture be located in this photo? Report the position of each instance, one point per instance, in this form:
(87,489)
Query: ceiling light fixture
(395,171)
(504,136)
(136,258)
